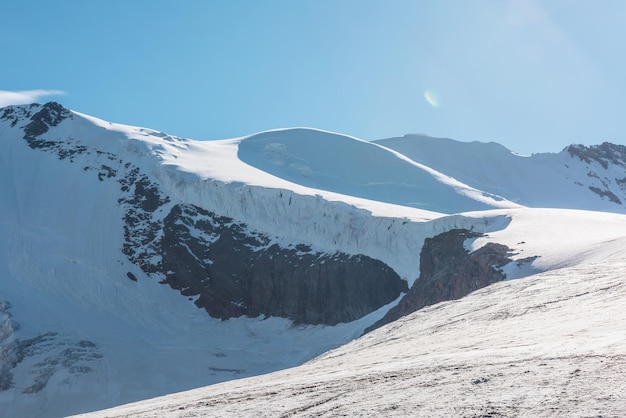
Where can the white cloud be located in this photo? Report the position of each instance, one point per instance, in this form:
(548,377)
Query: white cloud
(8,98)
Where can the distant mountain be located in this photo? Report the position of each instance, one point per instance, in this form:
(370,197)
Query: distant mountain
(347,165)
(134,263)
(592,178)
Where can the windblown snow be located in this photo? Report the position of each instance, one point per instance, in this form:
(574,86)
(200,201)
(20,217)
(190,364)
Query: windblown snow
(78,335)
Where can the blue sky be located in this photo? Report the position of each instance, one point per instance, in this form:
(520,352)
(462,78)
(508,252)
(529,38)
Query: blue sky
(533,75)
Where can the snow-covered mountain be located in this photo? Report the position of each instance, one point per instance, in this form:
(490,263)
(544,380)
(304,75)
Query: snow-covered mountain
(592,178)
(136,264)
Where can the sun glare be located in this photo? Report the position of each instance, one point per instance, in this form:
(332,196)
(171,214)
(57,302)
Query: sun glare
(431,98)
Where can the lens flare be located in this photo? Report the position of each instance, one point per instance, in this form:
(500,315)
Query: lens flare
(431,98)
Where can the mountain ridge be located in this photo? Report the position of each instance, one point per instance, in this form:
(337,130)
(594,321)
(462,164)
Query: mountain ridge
(135,230)
(575,177)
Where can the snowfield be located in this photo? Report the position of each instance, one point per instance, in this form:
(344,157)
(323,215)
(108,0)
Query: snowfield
(552,344)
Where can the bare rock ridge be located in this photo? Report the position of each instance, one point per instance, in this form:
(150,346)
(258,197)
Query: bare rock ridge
(605,154)
(226,268)
(449,271)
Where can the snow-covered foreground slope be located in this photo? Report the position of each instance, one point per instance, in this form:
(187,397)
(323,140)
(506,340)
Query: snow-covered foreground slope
(552,344)
(579,177)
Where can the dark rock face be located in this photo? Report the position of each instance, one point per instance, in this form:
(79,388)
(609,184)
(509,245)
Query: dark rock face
(448,271)
(50,114)
(9,355)
(15,114)
(141,198)
(39,121)
(606,193)
(605,153)
(236,272)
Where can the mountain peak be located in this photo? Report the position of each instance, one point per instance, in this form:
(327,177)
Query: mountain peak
(605,153)
(38,118)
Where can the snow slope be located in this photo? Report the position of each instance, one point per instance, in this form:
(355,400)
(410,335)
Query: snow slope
(556,180)
(552,344)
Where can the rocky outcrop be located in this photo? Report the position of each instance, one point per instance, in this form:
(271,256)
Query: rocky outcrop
(449,271)
(605,153)
(50,114)
(141,198)
(53,355)
(38,121)
(9,356)
(234,271)
(606,193)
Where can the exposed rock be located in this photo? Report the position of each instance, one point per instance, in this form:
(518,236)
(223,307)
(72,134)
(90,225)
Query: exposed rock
(17,114)
(51,114)
(606,193)
(235,272)
(9,355)
(605,153)
(141,198)
(7,326)
(449,271)
(55,354)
